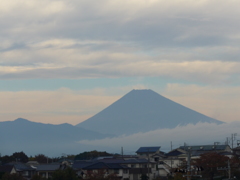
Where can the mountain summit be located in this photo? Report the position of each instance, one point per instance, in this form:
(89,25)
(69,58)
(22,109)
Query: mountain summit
(143,111)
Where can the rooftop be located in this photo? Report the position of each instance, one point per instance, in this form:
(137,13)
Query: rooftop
(204,147)
(148,149)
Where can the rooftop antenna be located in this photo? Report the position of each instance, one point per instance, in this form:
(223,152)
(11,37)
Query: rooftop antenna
(216,143)
(122,152)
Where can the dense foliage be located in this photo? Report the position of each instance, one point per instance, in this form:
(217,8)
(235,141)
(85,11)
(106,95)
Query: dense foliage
(66,174)
(211,162)
(17,156)
(91,155)
(14,176)
(100,175)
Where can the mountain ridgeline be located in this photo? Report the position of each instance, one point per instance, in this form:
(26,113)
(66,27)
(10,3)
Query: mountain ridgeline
(34,138)
(143,111)
(138,111)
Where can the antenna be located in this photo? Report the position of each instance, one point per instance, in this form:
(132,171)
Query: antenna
(216,143)
(122,152)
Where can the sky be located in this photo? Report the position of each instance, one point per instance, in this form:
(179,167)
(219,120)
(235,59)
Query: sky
(63,61)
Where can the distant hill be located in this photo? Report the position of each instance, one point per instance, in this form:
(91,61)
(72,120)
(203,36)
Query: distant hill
(143,111)
(32,137)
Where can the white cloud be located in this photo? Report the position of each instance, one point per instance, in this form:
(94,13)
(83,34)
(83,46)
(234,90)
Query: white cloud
(199,134)
(119,65)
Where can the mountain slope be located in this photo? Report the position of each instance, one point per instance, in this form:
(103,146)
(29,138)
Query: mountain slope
(32,137)
(142,111)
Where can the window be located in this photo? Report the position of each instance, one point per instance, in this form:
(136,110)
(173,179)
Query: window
(125,171)
(116,171)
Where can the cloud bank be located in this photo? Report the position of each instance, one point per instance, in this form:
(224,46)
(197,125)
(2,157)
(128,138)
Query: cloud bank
(199,134)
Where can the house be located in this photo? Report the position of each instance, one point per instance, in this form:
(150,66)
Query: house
(196,151)
(155,157)
(7,169)
(146,152)
(23,169)
(88,168)
(236,151)
(178,157)
(125,168)
(121,171)
(46,170)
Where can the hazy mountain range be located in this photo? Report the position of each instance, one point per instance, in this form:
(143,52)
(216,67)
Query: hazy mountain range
(137,111)
(27,136)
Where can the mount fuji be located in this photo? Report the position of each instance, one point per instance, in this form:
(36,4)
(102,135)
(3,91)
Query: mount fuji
(143,111)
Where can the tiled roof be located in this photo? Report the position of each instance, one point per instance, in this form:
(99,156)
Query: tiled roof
(81,164)
(21,166)
(148,149)
(102,165)
(174,153)
(48,167)
(136,161)
(204,147)
(107,163)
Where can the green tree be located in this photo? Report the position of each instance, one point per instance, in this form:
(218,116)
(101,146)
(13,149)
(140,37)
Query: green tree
(144,177)
(158,178)
(37,177)
(66,174)
(14,176)
(20,156)
(6,159)
(41,158)
(178,176)
(96,175)
(101,174)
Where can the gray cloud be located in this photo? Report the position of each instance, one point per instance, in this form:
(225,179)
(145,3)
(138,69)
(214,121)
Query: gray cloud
(103,39)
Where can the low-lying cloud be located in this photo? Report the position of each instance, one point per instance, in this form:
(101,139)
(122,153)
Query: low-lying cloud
(199,134)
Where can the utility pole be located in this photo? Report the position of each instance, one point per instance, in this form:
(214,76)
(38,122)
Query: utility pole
(233,138)
(189,166)
(228,169)
(189,171)
(171,158)
(122,152)
(148,165)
